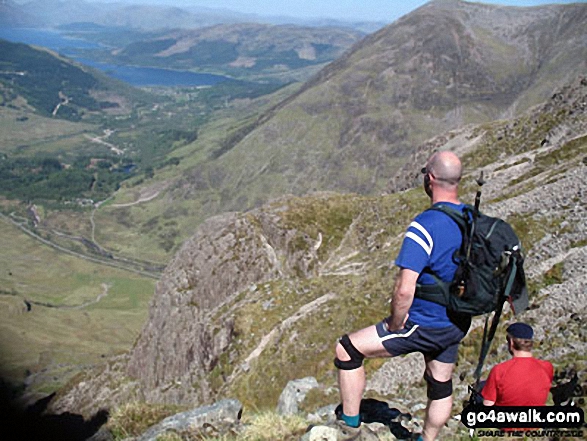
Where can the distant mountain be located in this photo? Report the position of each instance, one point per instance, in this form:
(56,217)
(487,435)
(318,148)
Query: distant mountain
(445,65)
(49,13)
(13,15)
(239,17)
(242,49)
(52,13)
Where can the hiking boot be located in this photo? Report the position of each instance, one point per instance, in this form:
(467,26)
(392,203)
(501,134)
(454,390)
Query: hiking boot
(347,433)
(339,431)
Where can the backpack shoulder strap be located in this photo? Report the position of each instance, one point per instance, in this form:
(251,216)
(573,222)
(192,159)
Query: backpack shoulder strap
(460,217)
(439,292)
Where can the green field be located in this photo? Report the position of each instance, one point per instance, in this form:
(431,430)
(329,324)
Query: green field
(59,313)
(25,132)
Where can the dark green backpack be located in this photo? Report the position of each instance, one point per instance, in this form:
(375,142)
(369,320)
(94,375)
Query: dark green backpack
(490,266)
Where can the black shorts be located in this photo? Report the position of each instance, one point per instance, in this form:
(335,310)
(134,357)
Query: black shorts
(441,344)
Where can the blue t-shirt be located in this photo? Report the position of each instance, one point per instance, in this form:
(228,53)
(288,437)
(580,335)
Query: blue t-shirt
(430,243)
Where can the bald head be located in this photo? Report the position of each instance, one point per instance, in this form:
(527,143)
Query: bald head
(445,167)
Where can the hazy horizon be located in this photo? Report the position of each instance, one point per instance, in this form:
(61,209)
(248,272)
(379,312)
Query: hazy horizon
(350,10)
(347,10)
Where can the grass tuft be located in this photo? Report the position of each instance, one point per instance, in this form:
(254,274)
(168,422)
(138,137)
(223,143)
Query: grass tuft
(267,426)
(133,419)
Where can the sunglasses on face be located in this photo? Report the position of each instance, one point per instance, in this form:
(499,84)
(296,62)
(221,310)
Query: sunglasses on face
(425,171)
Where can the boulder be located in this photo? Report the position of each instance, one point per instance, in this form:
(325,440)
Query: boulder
(294,393)
(224,412)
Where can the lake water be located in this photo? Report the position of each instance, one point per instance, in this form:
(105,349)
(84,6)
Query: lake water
(136,76)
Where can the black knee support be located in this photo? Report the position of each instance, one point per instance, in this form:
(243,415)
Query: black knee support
(437,390)
(356,360)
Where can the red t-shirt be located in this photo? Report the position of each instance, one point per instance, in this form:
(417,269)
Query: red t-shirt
(521,381)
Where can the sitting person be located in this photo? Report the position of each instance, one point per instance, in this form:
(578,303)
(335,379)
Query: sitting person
(523,380)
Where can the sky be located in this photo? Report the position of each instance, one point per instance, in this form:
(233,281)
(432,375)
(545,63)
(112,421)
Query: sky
(349,10)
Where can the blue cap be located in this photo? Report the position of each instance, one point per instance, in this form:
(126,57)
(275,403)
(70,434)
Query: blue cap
(520,330)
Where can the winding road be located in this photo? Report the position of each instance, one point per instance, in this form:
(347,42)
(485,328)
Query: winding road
(104,293)
(114,262)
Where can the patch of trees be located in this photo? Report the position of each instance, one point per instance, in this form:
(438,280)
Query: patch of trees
(177,135)
(48,179)
(217,96)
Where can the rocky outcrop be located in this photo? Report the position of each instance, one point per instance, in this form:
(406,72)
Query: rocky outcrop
(181,344)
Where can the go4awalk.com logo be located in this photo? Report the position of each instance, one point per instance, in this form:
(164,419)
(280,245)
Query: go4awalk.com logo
(531,421)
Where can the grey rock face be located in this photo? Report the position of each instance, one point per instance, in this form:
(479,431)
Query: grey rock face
(181,343)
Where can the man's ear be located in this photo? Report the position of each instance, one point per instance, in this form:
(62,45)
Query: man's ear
(510,345)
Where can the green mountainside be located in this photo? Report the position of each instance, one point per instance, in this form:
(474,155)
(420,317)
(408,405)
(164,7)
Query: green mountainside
(71,134)
(51,110)
(51,85)
(443,66)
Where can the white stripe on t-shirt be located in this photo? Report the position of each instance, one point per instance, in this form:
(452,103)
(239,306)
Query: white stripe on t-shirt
(423,230)
(426,246)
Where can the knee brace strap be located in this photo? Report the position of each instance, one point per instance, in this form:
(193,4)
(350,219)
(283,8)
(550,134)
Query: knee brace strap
(356,360)
(437,390)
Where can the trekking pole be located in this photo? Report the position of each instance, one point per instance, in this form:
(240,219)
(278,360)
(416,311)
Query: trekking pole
(489,333)
(482,352)
(480,183)
(486,342)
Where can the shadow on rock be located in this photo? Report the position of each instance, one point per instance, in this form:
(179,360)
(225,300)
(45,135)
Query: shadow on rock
(32,423)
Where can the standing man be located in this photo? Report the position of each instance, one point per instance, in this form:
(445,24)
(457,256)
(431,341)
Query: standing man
(415,324)
(523,380)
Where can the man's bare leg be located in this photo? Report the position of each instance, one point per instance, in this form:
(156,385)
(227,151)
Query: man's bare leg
(352,386)
(352,382)
(437,411)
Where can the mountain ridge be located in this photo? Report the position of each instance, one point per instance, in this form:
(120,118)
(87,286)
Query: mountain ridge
(243,50)
(353,124)
(348,127)
(148,16)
